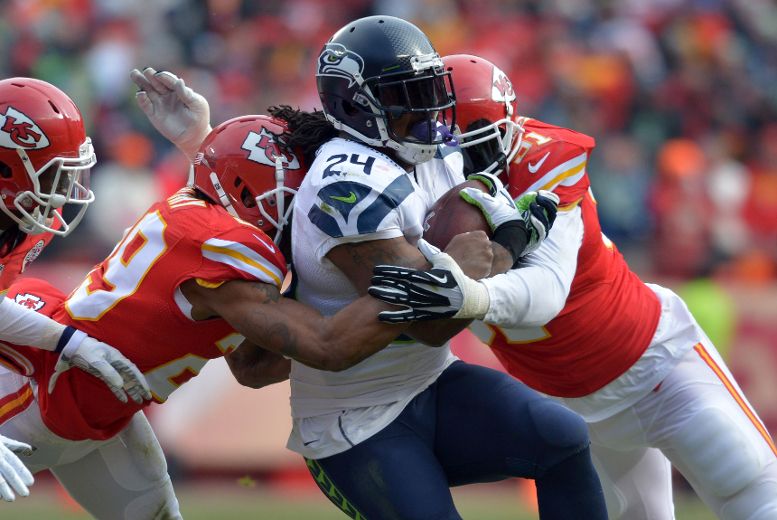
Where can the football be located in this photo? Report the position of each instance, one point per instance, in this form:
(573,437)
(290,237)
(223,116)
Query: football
(452,215)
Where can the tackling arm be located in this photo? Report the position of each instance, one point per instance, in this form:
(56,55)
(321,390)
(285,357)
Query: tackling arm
(356,260)
(532,294)
(535,293)
(293,329)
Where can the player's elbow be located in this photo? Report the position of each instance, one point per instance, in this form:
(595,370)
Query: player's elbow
(538,317)
(543,315)
(260,374)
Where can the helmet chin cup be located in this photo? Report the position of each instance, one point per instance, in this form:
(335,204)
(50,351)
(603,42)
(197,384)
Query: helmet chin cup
(416,153)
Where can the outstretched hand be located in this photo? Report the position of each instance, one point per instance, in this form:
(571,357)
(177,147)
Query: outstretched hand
(179,113)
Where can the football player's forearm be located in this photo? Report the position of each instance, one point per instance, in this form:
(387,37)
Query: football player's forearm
(436,333)
(536,292)
(299,332)
(23,326)
(356,260)
(503,260)
(354,333)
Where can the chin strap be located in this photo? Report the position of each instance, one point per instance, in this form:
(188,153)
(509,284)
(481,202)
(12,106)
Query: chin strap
(214,179)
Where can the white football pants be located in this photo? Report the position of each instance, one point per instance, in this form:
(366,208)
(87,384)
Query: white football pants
(122,478)
(699,420)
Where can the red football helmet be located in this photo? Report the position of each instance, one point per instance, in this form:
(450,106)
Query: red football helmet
(241,166)
(45,156)
(485,112)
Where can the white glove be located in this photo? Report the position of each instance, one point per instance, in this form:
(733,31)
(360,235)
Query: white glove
(102,361)
(14,475)
(180,114)
(497,205)
(442,292)
(538,210)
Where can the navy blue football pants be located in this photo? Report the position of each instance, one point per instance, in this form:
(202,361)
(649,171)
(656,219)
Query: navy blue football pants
(472,425)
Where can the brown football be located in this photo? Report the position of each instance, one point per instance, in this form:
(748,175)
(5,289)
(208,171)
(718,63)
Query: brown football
(452,215)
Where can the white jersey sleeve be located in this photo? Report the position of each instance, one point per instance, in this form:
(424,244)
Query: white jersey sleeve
(351,194)
(536,292)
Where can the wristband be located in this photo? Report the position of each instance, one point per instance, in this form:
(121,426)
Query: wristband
(513,236)
(64,339)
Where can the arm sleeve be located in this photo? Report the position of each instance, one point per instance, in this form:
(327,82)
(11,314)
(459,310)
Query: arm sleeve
(23,326)
(534,294)
(241,252)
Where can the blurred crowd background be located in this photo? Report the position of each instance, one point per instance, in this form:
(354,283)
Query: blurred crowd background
(681,96)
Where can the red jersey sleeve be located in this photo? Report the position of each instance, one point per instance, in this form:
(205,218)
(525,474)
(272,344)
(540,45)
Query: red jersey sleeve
(238,250)
(552,158)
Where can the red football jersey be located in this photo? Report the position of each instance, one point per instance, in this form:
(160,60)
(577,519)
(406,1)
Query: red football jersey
(16,261)
(610,316)
(131,301)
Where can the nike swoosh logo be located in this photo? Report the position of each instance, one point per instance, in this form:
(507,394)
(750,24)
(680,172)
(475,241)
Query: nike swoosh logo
(350,199)
(270,247)
(309,442)
(442,280)
(536,166)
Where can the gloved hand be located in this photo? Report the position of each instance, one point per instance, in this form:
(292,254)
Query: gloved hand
(497,205)
(538,209)
(102,361)
(442,292)
(14,475)
(180,114)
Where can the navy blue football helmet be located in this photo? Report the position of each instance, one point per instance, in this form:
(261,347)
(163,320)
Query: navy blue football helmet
(381,81)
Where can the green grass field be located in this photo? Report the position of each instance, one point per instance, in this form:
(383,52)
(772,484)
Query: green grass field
(234,502)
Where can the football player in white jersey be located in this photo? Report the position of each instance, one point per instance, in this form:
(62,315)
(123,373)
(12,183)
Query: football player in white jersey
(387,437)
(373,404)
(575,323)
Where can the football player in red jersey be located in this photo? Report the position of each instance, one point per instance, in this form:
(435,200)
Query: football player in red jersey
(576,323)
(45,159)
(193,270)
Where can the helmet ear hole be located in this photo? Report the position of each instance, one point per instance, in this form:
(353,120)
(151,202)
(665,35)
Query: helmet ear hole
(5,171)
(349,109)
(248,200)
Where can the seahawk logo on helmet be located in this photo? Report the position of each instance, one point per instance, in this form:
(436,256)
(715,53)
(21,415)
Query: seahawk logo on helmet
(337,61)
(19,131)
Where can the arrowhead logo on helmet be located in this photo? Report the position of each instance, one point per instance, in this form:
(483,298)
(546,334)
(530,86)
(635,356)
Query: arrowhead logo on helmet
(339,62)
(502,90)
(18,130)
(263,149)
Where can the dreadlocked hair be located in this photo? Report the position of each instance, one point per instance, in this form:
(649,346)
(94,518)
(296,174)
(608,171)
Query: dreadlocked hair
(307,130)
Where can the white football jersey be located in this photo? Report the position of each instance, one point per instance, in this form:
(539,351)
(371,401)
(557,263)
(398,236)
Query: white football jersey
(353,193)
